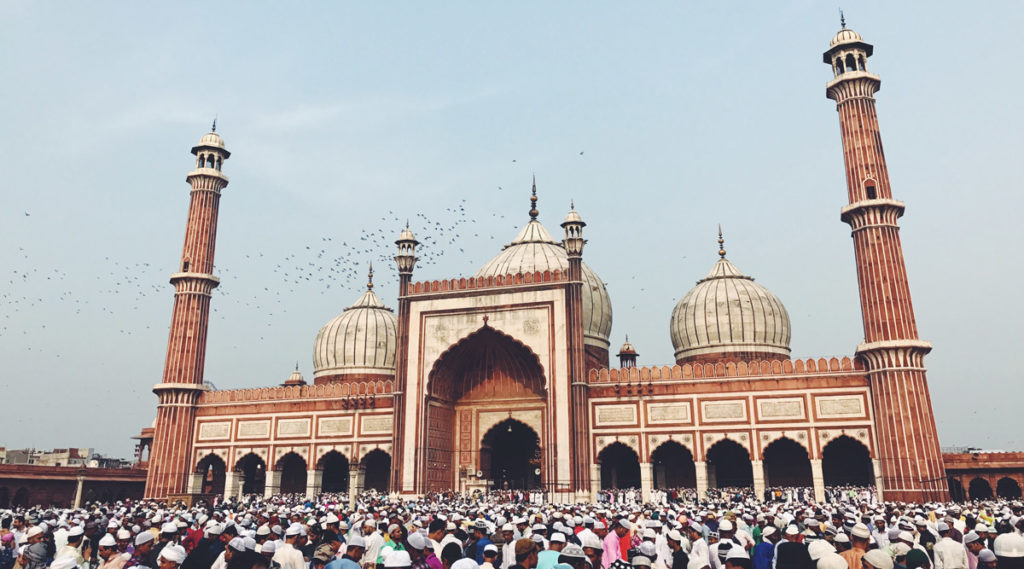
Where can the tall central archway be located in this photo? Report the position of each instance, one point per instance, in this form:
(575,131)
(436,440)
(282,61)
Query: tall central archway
(510,455)
(211,470)
(787,464)
(673,466)
(485,369)
(620,467)
(254,473)
(293,473)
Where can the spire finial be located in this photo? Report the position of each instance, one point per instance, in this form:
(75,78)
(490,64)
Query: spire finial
(214,127)
(572,204)
(296,365)
(721,242)
(842,18)
(533,200)
(369,284)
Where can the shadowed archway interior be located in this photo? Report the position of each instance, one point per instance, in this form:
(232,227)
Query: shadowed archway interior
(620,467)
(293,473)
(334,467)
(254,474)
(729,465)
(212,470)
(377,473)
(786,464)
(510,456)
(846,462)
(673,466)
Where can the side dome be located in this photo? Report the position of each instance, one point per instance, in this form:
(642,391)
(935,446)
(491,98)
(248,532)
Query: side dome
(729,316)
(534,249)
(362,340)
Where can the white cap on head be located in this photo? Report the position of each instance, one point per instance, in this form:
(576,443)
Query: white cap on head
(123,534)
(358,541)
(173,553)
(169,527)
(878,559)
(76,531)
(66,562)
(1009,545)
(417,541)
(107,541)
(725,525)
(465,563)
(557,537)
(832,561)
(144,537)
(736,553)
(397,559)
(269,546)
(861,531)
(293,530)
(237,543)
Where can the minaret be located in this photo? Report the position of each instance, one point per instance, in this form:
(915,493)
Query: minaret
(178,393)
(573,243)
(907,442)
(406,261)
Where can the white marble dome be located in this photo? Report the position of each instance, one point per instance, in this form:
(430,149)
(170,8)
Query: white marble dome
(727,312)
(534,249)
(844,36)
(362,339)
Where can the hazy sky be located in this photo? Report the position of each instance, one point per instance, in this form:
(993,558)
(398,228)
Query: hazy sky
(661,120)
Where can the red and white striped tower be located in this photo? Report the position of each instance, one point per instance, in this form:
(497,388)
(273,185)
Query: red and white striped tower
(169,462)
(580,449)
(907,442)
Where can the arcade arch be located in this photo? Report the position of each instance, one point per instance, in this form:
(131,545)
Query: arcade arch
(620,466)
(729,465)
(674,466)
(376,470)
(786,463)
(334,468)
(979,489)
(293,473)
(845,461)
(212,472)
(253,472)
(1008,488)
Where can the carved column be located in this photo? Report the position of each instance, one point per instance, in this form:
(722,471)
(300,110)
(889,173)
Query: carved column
(759,482)
(818,478)
(314,481)
(646,482)
(702,479)
(232,484)
(273,485)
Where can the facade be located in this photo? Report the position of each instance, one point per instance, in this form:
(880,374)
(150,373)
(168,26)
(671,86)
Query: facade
(502,379)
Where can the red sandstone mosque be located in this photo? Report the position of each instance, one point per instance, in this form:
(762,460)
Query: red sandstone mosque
(502,378)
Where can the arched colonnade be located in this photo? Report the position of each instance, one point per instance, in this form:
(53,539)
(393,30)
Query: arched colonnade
(290,473)
(727,463)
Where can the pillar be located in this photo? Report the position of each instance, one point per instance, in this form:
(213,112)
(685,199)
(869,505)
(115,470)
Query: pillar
(758,468)
(712,476)
(232,484)
(876,466)
(646,482)
(273,485)
(356,479)
(195,483)
(702,479)
(818,479)
(595,481)
(314,482)
(79,482)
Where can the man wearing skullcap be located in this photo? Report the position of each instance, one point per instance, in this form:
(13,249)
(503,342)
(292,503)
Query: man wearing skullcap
(860,535)
(143,547)
(168,533)
(764,552)
(947,552)
(974,545)
(171,556)
(877,559)
(72,545)
(287,555)
(107,552)
(987,559)
(613,542)
(791,553)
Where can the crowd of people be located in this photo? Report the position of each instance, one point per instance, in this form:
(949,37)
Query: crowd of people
(726,529)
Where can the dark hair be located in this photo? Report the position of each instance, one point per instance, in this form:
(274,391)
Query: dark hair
(451,553)
(329,536)
(741,562)
(435,525)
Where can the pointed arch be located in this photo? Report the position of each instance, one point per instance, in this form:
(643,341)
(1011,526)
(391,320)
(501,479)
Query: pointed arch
(620,466)
(213,472)
(487,354)
(376,466)
(1008,488)
(846,461)
(979,489)
(729,465)
(253,471)
(293,473)
(334,468)
(787,463)
(510,455)
(673,466)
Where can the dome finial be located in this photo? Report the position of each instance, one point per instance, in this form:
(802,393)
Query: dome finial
(296,365)
(842,18)
(369,284)
(533,200)
(214,127)
(721,242)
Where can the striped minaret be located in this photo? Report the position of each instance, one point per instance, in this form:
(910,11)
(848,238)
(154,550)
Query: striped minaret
(907,443)
(170,458)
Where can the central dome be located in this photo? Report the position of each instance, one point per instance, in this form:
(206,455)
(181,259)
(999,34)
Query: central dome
(728,315)
(534,249)
(362,340)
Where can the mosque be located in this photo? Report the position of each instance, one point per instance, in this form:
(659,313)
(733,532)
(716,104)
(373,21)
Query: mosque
(503,379)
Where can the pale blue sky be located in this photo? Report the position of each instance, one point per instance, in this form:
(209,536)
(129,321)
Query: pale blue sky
(344,119)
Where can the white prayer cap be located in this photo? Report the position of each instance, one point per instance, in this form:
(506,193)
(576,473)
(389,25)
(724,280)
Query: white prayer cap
(986,556)
(697,562)
(169,527)
(770,530)
(293,530)
(268,546)
(861,531)
(1009,545)
(592,541)
(792,530)
(818,548)
(942,526)
(237,543)
(123,534)
(112,524)
(737,553)
(107,541)
(398,559)
(878,559)
(249,542)
(417,541)
(675,536)
(971,537)
(173,553)
(143,537)
(76,531)
(34,531)
(557,537)
(508,527)
(358,541)
(725,525)
(833,561)
(598,525)
(842,538)
(465,563)
(640,561)
(647,549)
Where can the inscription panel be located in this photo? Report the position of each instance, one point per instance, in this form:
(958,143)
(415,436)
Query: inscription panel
(214,431)
(668,413)
(334,426)
(791,408)
(377,424)
(293,428)
(840,406)
(254,429)
(723,411)
(606,415)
